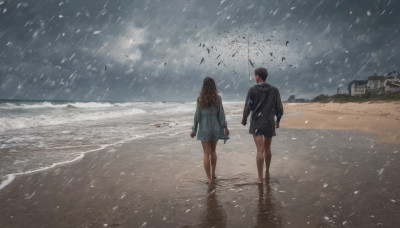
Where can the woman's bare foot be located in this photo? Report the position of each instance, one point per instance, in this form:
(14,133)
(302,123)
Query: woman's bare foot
(259,181)
(266,176)
(210,181)
(214,177)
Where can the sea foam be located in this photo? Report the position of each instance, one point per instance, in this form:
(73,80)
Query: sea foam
(51,119)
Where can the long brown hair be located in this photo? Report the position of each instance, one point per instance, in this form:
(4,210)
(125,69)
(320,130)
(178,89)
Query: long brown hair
(208,97)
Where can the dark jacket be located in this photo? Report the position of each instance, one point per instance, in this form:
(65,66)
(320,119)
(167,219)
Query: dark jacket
(264,103)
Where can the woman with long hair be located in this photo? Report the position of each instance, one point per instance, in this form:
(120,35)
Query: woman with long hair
(209,125)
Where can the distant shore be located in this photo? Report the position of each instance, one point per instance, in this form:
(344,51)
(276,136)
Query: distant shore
(381,118)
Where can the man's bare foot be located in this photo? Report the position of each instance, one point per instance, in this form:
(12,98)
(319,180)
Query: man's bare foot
(259,181)
(214,177)
(210,181)
(266,176)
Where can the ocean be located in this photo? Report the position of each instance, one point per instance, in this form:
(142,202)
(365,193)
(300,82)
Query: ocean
(36,136)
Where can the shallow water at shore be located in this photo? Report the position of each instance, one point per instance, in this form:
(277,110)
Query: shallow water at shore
(35,136)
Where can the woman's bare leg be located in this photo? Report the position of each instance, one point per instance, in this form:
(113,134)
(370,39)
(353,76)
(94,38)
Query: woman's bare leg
(259,141)
(206,159)
(213,158)
(267,155)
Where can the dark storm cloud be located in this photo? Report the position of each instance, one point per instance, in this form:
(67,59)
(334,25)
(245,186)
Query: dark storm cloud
(151,50)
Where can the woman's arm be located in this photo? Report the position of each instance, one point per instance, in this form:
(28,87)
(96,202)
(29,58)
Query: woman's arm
(222,118)
(195,121)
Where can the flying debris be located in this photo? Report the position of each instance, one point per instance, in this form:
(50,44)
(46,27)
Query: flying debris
(251,63)
(283,58)
(219,62)
(270,53)
(203,45)
(218,56)
(268,40)
(165,64)
(105,67)
(202,60)
(208,50)
(200,45)
(287,43)
(127,56)
(234,55)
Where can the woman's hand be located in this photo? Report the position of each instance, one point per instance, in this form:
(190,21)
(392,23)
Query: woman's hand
(192,134)
(226,131)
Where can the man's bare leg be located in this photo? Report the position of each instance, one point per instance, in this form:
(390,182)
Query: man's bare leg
(267,155)
(259,141)
(213,159)
(206,159)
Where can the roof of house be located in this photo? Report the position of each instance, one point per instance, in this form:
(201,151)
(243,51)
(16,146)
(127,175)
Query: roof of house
(359,82)
(393,73)
(376,77)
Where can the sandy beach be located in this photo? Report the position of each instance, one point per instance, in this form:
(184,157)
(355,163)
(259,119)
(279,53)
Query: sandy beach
(329,168)
(382,119)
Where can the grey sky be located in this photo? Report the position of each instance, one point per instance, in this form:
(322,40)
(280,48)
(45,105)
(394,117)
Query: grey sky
(150,50)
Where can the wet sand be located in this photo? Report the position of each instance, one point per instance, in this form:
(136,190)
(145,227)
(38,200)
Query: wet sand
(319,178)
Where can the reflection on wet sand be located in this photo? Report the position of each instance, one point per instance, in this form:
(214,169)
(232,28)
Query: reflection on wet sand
(214,215)
(267,216)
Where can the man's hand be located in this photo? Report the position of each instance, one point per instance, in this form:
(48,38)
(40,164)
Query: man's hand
(192,134)
(226,131)
(244,123)
(277,124)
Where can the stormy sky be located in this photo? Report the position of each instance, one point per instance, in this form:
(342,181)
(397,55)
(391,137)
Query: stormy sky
(154,50)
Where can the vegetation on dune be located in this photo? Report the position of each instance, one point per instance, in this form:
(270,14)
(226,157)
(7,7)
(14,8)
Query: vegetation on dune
(344,98)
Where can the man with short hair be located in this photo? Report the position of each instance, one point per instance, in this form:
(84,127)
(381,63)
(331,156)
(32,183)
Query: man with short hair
(264,102)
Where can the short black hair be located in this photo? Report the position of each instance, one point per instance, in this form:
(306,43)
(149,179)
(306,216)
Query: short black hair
(262,72)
